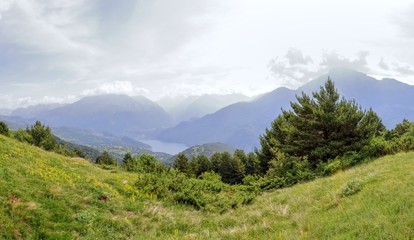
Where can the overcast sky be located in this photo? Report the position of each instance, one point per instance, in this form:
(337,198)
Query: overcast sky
(61,50)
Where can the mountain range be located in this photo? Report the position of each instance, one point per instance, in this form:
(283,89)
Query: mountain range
(119,115)
(240,124)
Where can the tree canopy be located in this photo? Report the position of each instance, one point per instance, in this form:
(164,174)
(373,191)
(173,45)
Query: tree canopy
(4,129)
(320,128)
(105,158)
(41,136)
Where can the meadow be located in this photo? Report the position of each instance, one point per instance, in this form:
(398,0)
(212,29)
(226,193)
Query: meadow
(44,195)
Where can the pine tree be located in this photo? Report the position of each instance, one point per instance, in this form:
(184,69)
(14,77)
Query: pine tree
(41,136)
(231,169)
(4,129)
(182,164)
(319,128)
(105,159)
(128,162)
(200,164)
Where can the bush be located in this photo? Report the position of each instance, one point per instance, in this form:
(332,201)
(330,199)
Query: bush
(329,167)
(206,193)
(145,163)
(291,169)
(352,187)
(22,136)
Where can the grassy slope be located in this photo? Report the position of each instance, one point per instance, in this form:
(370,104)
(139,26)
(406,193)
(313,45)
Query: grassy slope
(44,195)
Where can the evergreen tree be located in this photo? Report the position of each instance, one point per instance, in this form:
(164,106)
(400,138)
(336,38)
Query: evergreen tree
(41,136)
(105,159)
(401,128)
(216,160)
(232,169)
(182,164)
(147,163)
(4,129)
(200,164)
(319,128)
(128,162)
(252,164)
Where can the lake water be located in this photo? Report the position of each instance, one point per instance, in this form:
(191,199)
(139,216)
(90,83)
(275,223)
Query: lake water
(166,147)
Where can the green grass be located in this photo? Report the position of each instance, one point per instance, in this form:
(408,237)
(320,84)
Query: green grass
(47,196)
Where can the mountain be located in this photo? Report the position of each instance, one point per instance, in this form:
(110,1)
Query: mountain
(390,99)
(5,111)
(33,111)
(238,125)
(197,106)
(207,150)
(14,123)
(90,153)
(241,124)
(95,139)
(119,115)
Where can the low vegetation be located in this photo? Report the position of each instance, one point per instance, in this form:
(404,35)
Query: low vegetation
(49,196)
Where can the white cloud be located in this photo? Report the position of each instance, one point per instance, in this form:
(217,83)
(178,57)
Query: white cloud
(293,70)
(116,87)
(334,60)
(383,65)
(5,6)
(13,102)
(162,47)
(295,56)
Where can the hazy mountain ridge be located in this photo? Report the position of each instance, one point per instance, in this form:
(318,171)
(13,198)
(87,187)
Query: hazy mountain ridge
(119,115)
(238,125)
(33,111)
(193,107)
(95,139)
(241,124)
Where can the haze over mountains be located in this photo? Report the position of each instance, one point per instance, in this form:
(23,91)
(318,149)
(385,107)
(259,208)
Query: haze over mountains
(115,114)
(184,109)
(239,124)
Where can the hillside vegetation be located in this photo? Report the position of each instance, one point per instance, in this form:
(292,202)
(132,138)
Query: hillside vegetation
(45,195)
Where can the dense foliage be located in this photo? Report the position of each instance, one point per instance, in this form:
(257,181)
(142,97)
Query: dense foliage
(106,159)
(4,129)
(41,136)
(319,128)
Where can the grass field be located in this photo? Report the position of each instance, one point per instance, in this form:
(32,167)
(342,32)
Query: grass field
(46,196)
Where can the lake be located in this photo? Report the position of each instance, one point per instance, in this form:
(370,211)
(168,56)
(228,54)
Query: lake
(166,147)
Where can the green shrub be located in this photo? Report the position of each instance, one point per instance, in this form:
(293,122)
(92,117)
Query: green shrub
(291,169)
(22,136)
(352,187)
(406,143)
(206,193)
(329,167)
(377,147)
